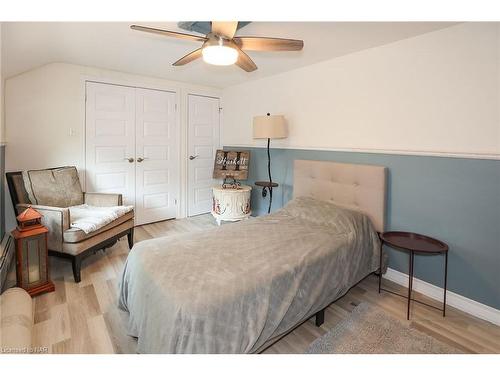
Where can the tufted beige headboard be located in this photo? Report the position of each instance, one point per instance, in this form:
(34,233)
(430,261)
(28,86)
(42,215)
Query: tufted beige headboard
(362,187)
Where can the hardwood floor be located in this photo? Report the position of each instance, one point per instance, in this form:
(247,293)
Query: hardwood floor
(84,318)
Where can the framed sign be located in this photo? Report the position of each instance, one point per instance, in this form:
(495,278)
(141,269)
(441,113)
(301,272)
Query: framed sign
(231,164)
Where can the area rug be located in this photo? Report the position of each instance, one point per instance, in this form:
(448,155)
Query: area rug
(369,330)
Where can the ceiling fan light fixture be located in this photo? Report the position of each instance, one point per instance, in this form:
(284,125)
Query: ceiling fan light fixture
(222,47)
(219,55)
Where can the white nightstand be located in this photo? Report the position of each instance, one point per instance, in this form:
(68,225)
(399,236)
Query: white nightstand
(231,204)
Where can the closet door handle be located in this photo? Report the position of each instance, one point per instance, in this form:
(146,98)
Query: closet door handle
(140,160)
(130,160)
(191,157)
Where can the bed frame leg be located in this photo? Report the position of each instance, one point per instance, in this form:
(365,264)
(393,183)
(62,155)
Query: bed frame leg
(320,318)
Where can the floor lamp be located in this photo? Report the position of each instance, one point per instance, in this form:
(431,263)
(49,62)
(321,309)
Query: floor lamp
(270,127)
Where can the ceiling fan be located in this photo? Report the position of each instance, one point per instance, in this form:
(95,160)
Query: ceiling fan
(221,47)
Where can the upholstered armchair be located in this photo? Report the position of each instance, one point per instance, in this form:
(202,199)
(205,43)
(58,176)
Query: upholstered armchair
(52,192)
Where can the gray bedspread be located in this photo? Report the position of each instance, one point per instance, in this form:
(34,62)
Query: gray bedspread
(234,288)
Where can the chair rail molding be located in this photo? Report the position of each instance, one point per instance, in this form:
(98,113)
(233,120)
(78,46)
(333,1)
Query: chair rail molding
(443,154)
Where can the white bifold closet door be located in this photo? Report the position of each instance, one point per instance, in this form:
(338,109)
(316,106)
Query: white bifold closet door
(132,148)
(110,140)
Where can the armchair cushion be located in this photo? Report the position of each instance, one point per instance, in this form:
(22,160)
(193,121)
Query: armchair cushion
(56,219)
(58,187)
(73,235)
(79,247)
(102,199)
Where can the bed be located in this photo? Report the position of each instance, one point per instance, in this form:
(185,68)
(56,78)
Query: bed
(240,287)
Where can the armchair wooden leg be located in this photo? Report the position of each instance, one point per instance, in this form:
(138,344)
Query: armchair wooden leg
(130,238)
(76,260)
(76,263)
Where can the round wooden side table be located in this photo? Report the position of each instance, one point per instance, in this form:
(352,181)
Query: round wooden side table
(414,243)
(231,204)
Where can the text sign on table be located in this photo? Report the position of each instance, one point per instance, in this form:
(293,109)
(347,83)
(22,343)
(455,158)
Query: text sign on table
(232,164)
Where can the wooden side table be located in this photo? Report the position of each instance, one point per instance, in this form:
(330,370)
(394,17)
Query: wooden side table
(231,204)
(414,243)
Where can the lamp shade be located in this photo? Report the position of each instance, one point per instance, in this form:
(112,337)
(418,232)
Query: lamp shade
(269,127)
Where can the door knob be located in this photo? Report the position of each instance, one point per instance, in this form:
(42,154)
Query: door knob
(130,160)
(191,157)
(140,160)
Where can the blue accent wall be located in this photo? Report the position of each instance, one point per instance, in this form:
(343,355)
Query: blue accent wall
(455,200)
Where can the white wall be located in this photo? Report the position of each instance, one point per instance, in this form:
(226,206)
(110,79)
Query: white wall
(437,93)
(2,181)
(44,105)
(2,130)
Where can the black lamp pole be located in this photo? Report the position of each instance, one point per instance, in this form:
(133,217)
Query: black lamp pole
(269,173)
(268,186)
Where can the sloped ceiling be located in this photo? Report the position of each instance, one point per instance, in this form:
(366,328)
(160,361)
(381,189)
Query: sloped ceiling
(113,45)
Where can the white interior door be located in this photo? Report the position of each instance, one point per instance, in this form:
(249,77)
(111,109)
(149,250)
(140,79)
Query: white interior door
(157,151)
(110,140)
(203,141)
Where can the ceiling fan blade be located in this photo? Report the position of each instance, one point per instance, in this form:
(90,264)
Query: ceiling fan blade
(191,56)
(226,29)
(244,61)
(173,34)
(255,43)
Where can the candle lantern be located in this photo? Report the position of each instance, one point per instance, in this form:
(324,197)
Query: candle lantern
(32,263)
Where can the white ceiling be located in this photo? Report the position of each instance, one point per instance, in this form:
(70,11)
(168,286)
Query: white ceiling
(112,45)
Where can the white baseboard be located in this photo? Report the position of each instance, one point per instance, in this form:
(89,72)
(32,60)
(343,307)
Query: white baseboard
(452,299)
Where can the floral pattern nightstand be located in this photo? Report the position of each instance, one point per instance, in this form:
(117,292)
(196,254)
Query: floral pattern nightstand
(231,204)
